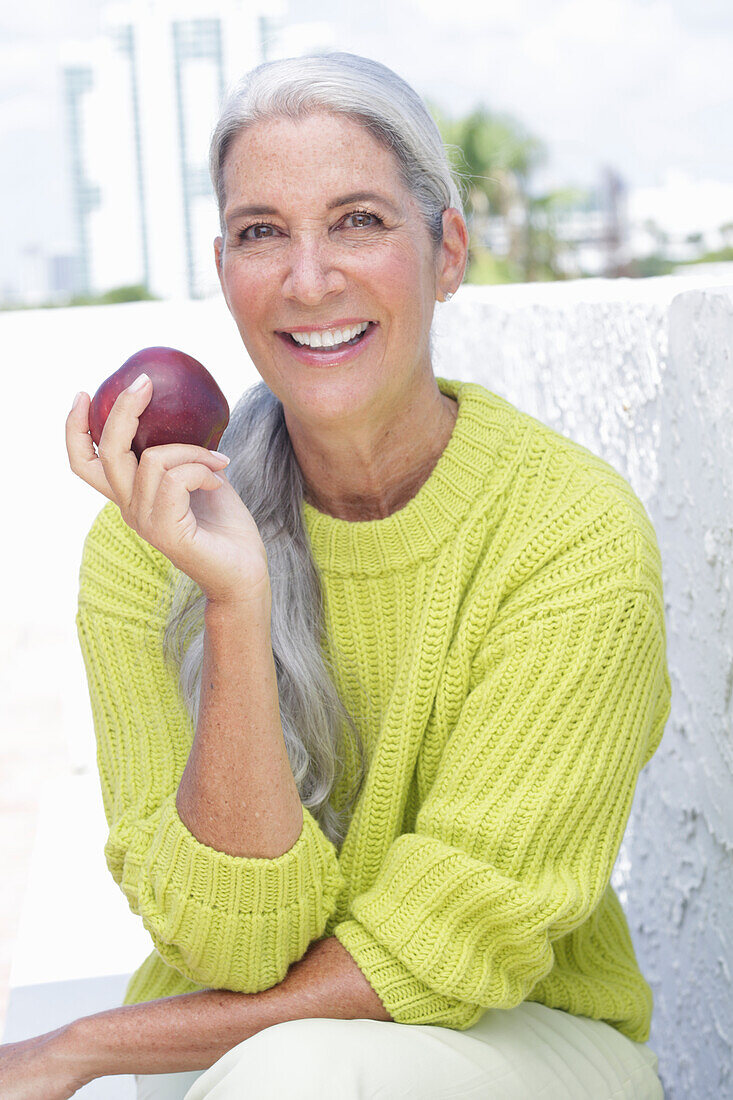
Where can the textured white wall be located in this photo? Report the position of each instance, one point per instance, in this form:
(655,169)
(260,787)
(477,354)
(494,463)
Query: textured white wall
(641,373)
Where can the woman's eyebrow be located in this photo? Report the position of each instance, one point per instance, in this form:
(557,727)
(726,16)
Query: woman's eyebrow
(361,196)
(342,200)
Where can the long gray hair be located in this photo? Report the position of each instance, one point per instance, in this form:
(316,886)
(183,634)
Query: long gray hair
(321,736)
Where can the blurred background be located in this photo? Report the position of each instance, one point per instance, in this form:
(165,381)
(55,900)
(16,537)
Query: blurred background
(594,139)
(595,143)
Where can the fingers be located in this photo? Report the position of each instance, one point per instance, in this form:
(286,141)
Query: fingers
(165,473)
(112,470)
(80,449)
(170,521)
(118,461)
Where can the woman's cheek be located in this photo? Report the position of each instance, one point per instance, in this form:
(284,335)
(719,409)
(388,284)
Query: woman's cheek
(394,270)
(250,285)
(407,267)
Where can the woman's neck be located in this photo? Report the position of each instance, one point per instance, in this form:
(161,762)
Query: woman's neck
(341,483)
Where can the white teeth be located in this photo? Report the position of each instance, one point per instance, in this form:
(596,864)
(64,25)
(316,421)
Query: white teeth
(330,337)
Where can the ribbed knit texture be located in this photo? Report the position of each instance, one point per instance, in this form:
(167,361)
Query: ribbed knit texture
(501,642)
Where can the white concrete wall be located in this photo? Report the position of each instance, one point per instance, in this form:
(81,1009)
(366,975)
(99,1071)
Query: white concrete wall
(640,372)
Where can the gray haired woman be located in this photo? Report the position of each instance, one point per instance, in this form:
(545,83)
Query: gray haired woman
(370,707)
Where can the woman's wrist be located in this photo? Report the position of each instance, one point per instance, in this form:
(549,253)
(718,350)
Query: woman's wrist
(254,608)
(248,595)
(74,1052)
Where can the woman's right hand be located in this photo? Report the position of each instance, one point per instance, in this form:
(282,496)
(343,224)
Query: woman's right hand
(168,498)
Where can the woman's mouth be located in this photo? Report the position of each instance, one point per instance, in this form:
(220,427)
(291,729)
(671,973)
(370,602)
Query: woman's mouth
(334,353)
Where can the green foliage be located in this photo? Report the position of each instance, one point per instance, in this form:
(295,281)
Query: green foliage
(484,267)
(494,157)
(492,153)
(136,293)
(647,266)
(722,255)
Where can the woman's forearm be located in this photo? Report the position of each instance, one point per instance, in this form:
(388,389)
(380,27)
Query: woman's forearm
(237,793)
(192,1031)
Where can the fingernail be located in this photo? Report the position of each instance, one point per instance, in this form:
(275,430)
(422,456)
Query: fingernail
(75,402)
(220,456)
(138,383)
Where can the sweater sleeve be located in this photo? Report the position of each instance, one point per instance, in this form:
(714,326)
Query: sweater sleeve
(222,921)
(515,843)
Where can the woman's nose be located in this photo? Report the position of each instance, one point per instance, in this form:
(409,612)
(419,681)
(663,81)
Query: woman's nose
(311,274)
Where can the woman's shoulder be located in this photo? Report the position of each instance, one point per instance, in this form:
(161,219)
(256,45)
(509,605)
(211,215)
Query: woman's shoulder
(120,573)
(563,507)
(603,497)
(527,436)
(560,468)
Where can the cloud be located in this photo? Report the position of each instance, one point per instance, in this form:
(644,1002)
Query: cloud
(27,71)
(614,81)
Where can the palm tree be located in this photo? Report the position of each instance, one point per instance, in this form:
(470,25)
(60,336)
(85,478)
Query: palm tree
(495,156)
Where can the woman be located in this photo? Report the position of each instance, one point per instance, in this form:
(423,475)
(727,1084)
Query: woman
(371,706)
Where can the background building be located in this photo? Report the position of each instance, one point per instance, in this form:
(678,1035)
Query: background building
(140,105)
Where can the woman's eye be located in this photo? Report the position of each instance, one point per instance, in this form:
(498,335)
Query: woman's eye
(363,220)
(252,232)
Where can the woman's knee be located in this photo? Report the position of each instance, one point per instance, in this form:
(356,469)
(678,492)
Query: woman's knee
(313,1059)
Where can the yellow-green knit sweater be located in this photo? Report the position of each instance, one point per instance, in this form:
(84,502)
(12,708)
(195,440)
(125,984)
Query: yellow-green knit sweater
(501,640)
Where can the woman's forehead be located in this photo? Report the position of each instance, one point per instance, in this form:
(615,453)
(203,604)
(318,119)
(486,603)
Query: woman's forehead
(326,144)
(326,157)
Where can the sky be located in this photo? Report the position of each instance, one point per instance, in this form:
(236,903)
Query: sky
(643,86)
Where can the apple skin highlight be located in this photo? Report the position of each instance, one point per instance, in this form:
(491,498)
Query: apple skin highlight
(187,405)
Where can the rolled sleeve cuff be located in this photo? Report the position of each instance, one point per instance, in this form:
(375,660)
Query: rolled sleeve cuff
(227,921)
(406,997)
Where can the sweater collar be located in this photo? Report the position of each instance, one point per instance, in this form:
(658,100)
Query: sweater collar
(434,514)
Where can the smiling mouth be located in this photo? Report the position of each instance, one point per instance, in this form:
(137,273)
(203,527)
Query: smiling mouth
(333,347)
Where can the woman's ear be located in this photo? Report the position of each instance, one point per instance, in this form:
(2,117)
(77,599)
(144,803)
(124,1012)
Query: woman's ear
(454,251)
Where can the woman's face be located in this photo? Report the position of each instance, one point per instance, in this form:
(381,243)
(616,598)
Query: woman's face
(322,235)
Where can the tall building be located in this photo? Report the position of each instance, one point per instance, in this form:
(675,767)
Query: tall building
(100,133)
(141,103)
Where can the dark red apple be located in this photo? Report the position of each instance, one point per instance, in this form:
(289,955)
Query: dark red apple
(187,406)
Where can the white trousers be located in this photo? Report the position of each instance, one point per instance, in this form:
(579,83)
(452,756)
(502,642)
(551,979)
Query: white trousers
(528,1053)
